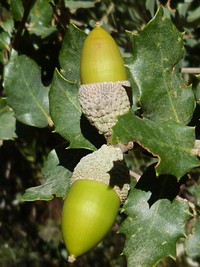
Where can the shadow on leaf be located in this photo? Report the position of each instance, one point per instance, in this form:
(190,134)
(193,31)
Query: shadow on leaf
(69,158)
(91,133)
(165,186)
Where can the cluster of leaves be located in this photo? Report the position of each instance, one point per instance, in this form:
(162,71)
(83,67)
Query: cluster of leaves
(40,54)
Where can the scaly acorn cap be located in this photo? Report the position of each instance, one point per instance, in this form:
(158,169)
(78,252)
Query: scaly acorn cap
(102,102)
(106,165)
(105,92)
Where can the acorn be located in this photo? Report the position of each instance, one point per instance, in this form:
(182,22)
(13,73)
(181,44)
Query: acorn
(105,91)
(99,184)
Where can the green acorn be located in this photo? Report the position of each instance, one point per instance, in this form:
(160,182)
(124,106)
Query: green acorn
(103,94)
(100,183)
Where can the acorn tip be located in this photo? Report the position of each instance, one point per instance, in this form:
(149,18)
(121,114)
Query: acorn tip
(98,24)
(71,259)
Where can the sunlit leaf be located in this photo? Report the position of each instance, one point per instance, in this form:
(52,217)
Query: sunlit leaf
(152,232)
(164,95)
(171,142)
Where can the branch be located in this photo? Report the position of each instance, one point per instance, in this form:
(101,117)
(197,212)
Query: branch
(27,8)
(191,70)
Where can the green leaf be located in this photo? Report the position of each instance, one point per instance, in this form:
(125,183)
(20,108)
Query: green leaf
(56,181)
(40,19)
(156,51)
(8,26)
(57,171)
(171,142)
(17,9)
(70,54)
(79,4)
(7,122)
(152,232)
(66,112)
(25,92)
(195,191)
(4,41)
(193,14)
(192,244)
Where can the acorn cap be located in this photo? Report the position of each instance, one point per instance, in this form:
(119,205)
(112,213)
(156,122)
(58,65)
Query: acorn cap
(102,102)
(105,165)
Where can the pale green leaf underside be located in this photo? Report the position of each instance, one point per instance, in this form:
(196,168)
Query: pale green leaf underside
(25,92)
(152,233)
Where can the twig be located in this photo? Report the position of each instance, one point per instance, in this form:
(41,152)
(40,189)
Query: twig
(190,70)
(108,12)
(28,6)
(135,175)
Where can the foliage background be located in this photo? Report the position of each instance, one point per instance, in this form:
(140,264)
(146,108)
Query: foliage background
(30,231)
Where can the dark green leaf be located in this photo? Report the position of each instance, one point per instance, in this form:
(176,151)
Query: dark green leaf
(152,232)
(17,9)
(40,19)
(7,121)
(57,171)
(70,54)
(171,142)
(56,181)
(156,50)
(25,92)
(8,26)
(66,112)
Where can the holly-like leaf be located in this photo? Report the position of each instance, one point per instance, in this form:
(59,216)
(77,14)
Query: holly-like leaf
(26,94)
(70,53)
(7,121)
(157,50)
(66,112)
(152,232)
(57,171)
(192,244)
(56,181)
(171,142)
